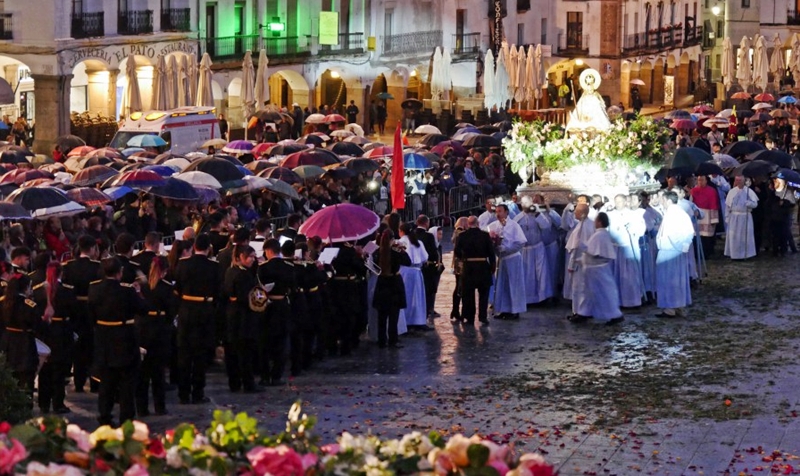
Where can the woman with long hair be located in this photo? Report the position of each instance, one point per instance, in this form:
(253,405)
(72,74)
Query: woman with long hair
(21,317)
(155,331)
(416,312)
(241,322)
(390,293)
(458,266)
(180,249)
(57,336)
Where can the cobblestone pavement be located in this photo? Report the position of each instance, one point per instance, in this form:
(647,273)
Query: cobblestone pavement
(711,393)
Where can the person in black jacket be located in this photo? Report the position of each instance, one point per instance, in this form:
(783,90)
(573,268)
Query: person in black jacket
(475,250)
(430,269)
(155,336)
(152,243)
(275,331)
(21,318)
(348,266)
(112,306)
(390,293)
(242,323)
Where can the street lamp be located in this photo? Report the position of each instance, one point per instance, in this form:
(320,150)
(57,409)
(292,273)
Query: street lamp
(716,9)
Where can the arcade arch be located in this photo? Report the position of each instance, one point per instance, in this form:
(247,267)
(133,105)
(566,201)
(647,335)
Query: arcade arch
(16,90)
(287,87)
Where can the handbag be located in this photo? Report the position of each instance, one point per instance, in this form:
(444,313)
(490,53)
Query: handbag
(257,298)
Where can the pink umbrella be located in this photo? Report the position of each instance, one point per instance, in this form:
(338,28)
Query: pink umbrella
(340,223)
(683,124)
(458,149)
(382,151)
(331,118)
(262,148)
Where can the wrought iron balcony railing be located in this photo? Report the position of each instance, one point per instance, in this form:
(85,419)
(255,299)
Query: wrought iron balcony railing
(135,22)
(88,25)
(412,43)
(175,19)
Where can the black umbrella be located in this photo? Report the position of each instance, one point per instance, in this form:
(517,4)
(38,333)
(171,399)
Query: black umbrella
(756,168)
(346,148)
(13,211)
(176,189)
(269,116)
(259,165)
(703,144)
(229,158)
(362,165)
(488,129)
(777,157)
(481,141)
(246,158)
(220,169)
(742,148)
(340,173)
(15,156)
(411,103)
(432,140)
(708,168)
(689,157)
(281,173)
(286,149)
(791,176)
(311,139)
(69,142)
(37,198)
(503,125)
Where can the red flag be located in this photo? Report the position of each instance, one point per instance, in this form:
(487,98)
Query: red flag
(398,173)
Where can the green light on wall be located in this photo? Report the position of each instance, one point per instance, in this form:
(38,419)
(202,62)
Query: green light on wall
(276,26)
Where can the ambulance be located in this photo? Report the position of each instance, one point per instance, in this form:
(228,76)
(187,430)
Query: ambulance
(184,129)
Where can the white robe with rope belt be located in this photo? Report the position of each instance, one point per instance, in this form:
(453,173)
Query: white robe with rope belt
(416,311)
(534,257)
(740,242)
(509,295)
(595,287)
(576,240)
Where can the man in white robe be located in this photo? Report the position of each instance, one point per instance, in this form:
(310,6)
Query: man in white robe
(509,298)
(697,260)
(674,240)
(595,288)
(625,229)
(740,242)
(534,255)
(576,244)
(488,216)
(552,237)
(648,249)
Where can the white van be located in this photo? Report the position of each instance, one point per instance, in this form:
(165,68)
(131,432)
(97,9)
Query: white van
(185,129)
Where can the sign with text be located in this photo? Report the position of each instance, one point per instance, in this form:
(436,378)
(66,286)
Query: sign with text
(113,55)
(328,28)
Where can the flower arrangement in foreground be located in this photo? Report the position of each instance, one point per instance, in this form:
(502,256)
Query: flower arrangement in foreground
(234,445)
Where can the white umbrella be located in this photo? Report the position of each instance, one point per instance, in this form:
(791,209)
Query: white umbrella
(159,99)
(760,64)
(131,98)
(446,76)
(343,133)
(172,83)
(728,63)
(198,178)
(437,84)
(762,105)
(315,119)
(530,75)
(743,73)
(427,129)
(355,129)
(794,64)
(248,88)
(776,64)
(184,96)
(204,95)
(488,80)
(512,62)
(193,71)
(262,92)
(501,81)
(519,91)
(538,72)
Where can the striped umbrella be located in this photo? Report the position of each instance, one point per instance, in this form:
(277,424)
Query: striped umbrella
(138,179)
(238,147)
(88,196)
(93,175)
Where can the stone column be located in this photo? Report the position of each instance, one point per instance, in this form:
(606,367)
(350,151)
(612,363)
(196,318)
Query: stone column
(111,103)
(52,110)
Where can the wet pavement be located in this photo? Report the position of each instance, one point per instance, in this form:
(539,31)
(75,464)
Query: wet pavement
(711,393)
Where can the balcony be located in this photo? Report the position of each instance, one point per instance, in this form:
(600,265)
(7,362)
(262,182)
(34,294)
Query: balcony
(466,44)
(135,22)
(792,18)
(232,48)
(349,43)
(412,43)
(667,38)
(7,31)
(88,25)
(286,47)
(175,19)
(578,47)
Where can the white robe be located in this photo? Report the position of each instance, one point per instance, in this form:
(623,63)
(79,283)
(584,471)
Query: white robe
(674,240)
(486,218)
(740,242)
(534,257)
(595,288)
(648,248)
(576,240)
(554,246)
(510,280)
(625,228)
(416,311)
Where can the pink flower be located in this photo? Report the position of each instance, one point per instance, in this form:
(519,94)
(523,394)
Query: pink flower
(10,456)
(5,427)
(278,461)
(136,470)
(156,448)
(500,466)
(80,437)
(533,465)
(331,449)
(52,469)
(309,461)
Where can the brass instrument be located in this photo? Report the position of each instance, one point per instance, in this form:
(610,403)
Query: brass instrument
(372,266)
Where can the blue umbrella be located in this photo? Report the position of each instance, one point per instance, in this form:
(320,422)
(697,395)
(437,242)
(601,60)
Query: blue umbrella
(416,162)
(162,170)
(787,100)
(176,190)
(131,150)
(146,140)
(244,170)
(467,129)
(118,192)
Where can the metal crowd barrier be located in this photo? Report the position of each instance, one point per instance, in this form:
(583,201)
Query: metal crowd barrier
(465,199)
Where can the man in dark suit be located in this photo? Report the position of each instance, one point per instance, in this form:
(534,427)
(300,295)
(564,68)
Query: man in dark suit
(290,231)
(474,247)
(152,242)
(275,331)
(430,269)
(130,269)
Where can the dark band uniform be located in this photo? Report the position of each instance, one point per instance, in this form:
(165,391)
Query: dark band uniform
(475,250)
(58,336)
(18,343)
(275,330)
(346,300)
(78,273)
(155,335)
(390,297)
(242,328)
(430,269)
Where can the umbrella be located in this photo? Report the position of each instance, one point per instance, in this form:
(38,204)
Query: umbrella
(372,145)
(15,157)
(308,171)
(261,149)
(315,119)
(761,117)
(238,147)
(287,149)
(728,63)
(488,129)
(172,82)
(261,88)
(787,100)
(158,101)
(717,121)
(689,157)
(501,80)
(708,168)
(130,150)
(481,141)
(764,97)
(780,113)
(184,85)
(431,140)
(791,176)
(320,157)
(411,103)
(259,165)
(761,65)
(162,170)
(742,148)
(216,143)
(205,96)
(93,175)
(89,196)
(384,96)
(355,129)
(146,140)
(702,144)
(38,198)
(251,183)
(178,163)
(743,73)
(463,136)
(53,168)
(725,161)
(131,98)
(741,95)
(458,149)
(106,153)
(346,148)
(282,188)
(118,192)
(359,165)
(332,118)
(340,173)
(415,162)
(637,82)
(774,156)
(762,105)
(703,109)
(267,115)
(678,114)
(13,211)
(281,173)
(342,133)
(176,189)
(20,176)
(726,113)
(248,87)
(427,129)
(312,140)
(437,80)
(488,80)
(521,75)
(360,140)
(220,169)
(143,156)
(138,179)
(199,179)
(80,151)
(69,142)
(381,151)
(341,223)
(755,168)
